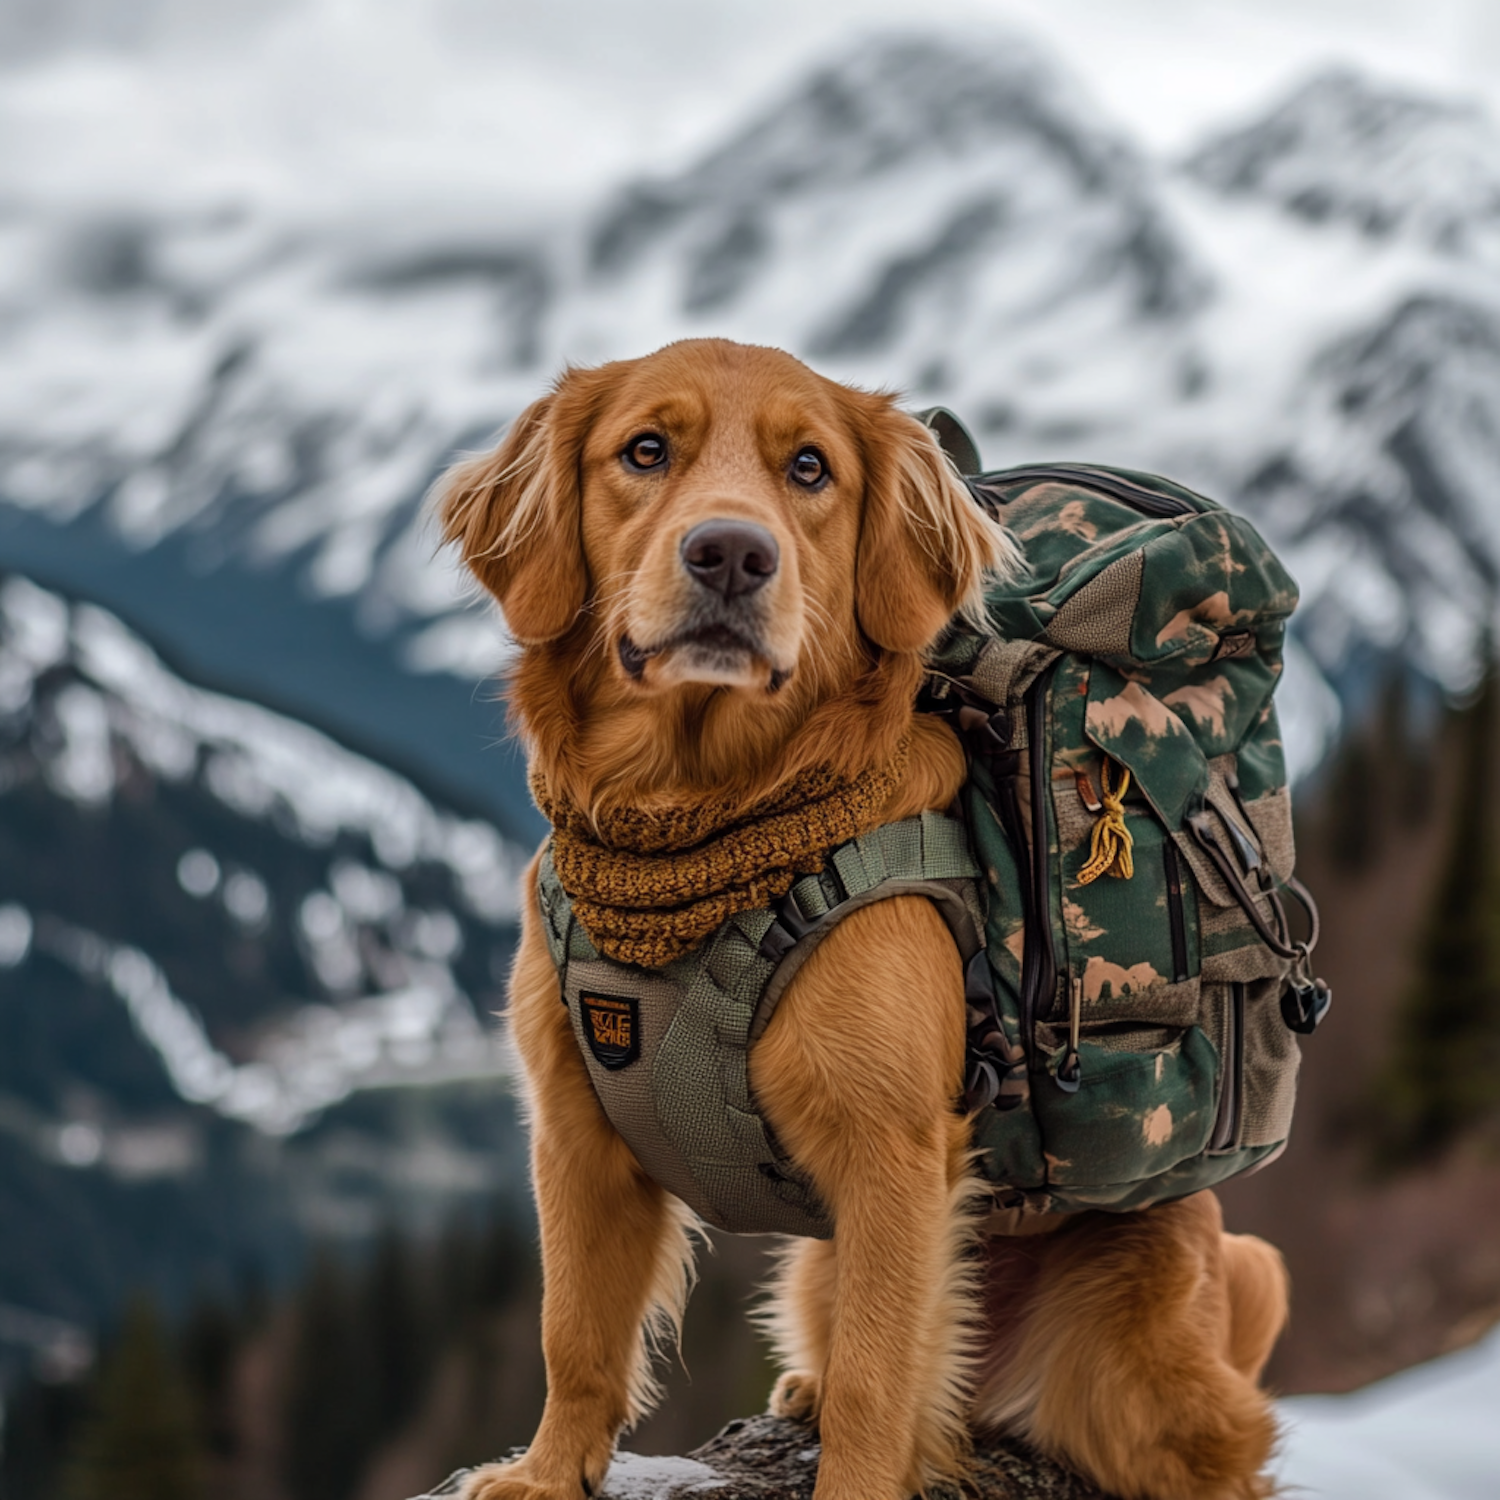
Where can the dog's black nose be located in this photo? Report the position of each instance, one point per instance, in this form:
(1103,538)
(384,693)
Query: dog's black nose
(730,557)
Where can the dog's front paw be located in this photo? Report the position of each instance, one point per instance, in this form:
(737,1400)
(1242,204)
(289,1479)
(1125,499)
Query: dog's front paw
(796,1396)
(513,1482)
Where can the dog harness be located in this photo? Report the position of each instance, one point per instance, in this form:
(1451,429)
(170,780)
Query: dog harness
(668,1050)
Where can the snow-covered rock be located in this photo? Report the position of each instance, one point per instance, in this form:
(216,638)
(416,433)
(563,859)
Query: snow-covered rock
(1426,1434)
(769,1458)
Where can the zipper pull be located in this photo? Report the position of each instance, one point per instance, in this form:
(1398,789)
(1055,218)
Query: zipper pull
(1086,793)
(1070,1070)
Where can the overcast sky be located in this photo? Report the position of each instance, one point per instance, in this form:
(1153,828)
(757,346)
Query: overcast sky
(1166,66)
(551,99)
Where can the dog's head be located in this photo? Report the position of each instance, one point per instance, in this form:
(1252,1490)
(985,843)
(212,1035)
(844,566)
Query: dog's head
(719,515)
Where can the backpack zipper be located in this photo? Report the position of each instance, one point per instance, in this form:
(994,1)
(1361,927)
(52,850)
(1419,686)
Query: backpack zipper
(1126,491)
(1038,958)
(1174,911)
(1227,1121)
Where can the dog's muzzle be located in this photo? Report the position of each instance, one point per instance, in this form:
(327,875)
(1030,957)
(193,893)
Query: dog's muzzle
(723,619)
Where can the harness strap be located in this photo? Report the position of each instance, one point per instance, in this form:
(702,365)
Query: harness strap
(667,1050)
(923,856)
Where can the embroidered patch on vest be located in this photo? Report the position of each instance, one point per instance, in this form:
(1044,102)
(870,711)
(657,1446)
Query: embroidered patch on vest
(612,1025)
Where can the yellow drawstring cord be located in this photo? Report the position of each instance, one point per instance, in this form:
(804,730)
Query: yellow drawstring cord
(1109,852)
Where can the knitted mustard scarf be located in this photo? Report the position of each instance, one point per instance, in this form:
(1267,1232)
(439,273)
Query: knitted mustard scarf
(649,887)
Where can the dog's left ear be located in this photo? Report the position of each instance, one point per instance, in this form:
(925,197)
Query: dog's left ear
(925,545)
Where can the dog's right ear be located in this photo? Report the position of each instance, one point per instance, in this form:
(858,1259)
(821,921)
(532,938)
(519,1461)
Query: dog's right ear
(926,549)
(516,514)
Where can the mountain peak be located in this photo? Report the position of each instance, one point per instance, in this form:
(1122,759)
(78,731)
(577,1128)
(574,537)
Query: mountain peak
(893,98)
(1382,157)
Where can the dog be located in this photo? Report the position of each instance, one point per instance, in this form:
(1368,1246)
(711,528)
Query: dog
(660,672)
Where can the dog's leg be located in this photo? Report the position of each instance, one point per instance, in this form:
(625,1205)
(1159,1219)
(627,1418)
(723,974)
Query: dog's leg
(616,1256)
(799,1322)
(857,1073)
(1129,1366)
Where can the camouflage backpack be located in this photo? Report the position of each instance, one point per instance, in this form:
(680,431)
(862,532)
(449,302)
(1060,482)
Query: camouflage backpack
(1132,1021)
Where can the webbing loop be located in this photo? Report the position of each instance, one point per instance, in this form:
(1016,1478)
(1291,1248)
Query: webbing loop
(1111,843)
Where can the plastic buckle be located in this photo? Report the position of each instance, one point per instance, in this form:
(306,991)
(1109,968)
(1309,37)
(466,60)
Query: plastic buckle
(987,733)
(789,928)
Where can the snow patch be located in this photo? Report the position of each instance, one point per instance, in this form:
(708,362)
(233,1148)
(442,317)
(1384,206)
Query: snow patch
(1425,1434)
(632,1477)
(425,1032)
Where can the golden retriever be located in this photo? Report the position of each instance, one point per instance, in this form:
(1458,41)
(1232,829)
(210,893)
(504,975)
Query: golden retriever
(1127,1346)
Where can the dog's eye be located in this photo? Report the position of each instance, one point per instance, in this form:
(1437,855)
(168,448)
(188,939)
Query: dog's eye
(645,451)
(809,468)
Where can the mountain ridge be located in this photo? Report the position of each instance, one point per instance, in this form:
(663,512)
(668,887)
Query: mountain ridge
(247,982)
(949,216)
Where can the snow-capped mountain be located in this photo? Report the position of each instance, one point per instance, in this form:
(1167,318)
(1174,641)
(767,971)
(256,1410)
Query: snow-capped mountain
(247,978)
(1384,491)
(949,218)
(220,421)
(961,224)
(245,973)
(1387,161)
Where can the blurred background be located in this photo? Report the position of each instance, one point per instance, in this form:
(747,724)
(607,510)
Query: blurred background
(266,265)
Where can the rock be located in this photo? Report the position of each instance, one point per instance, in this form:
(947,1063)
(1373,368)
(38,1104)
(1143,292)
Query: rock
(765,1458)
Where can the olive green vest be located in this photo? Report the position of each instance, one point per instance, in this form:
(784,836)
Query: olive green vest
(668,1050)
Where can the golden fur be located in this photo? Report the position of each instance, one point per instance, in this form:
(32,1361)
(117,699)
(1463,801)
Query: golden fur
(1128,1346)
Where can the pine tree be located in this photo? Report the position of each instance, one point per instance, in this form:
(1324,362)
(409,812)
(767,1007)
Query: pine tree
(1379,783)
(506,1266)
(1356,806)
(140,1441)
(1408,753)
(42,1421)
(321,1419)
(455,1262)
(1445,1072)
(211,1341)
(396,1329)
